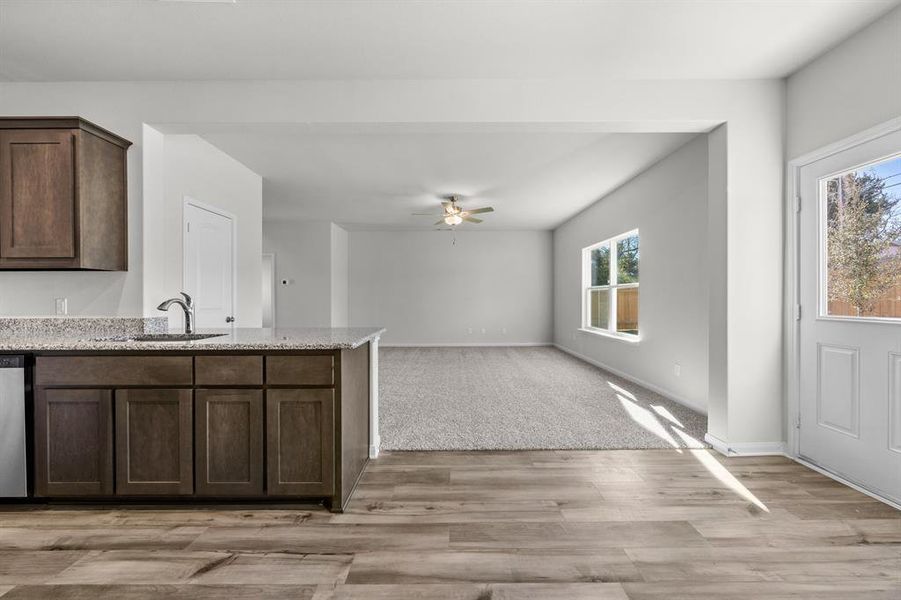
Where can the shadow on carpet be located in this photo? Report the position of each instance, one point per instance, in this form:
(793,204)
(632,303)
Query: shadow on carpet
(521,398)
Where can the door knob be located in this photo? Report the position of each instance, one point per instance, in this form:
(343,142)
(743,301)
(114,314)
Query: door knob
(229,319)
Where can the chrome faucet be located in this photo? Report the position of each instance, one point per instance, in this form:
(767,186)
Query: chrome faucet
(187,305)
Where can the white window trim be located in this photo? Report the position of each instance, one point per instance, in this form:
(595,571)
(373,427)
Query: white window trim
(823,254)
(586,290)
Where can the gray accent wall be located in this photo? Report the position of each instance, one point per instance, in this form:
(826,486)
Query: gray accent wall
(668,205)
(491,287)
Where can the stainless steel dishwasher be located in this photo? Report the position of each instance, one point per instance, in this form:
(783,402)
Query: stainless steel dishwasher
(13,465)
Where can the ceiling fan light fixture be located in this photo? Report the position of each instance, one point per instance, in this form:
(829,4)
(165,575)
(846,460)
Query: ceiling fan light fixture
(453,219)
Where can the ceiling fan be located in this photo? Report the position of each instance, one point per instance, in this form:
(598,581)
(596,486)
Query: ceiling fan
(453,215)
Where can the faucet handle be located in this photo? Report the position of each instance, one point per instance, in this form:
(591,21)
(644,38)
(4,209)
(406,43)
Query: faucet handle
(188,300)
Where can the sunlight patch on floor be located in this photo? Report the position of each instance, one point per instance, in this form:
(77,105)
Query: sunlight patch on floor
(648,421)
(663,412)
(689,441)
(718,470)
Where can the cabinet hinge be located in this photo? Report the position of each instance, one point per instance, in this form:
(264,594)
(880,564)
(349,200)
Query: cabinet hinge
(188,226)
(797,204)
(798,421)
(797,312)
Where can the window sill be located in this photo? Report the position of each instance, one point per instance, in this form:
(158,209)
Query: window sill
(623,337)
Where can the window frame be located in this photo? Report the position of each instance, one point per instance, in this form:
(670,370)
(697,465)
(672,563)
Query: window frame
(612,287)
(822,259)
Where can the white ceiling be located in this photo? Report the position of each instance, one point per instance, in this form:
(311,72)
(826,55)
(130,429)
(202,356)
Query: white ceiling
(376,179)
(66,40)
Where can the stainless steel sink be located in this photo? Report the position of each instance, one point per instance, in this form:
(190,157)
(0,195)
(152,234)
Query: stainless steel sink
(159,337)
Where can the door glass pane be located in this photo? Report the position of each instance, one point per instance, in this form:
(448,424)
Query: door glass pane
(863,241)
(599,308)
(627,310)
(627,259)
(600,265)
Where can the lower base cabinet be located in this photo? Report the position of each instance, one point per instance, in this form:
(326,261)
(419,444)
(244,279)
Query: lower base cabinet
(217,426)
(228,432)
(73,442)
(301,443)
(154,442)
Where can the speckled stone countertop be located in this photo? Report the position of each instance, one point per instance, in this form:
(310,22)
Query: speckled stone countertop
(313,338)
(27,327)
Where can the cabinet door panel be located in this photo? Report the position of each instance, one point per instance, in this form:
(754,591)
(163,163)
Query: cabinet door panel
(301,447)
(229,435)
(73,442)
(154,446)
(37,195)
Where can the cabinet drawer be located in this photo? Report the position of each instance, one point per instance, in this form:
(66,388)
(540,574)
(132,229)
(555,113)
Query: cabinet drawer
(108,371)
(228,370)
(317,369)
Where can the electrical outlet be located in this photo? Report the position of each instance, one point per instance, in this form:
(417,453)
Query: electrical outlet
(470,330)
(677,370)
(62,306)
(483,330)
(504,330)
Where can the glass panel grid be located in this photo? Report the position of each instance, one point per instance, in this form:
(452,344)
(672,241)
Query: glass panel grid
(861,224)
(612,297)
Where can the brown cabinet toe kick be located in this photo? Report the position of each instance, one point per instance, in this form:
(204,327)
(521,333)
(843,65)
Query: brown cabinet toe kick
(173,426)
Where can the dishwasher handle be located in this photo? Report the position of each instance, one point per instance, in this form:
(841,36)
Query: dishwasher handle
(12,362)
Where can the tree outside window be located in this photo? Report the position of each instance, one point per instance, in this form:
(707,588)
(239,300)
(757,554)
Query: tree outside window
(863,241)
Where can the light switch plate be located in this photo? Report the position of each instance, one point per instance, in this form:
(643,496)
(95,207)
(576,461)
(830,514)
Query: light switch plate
(62,306)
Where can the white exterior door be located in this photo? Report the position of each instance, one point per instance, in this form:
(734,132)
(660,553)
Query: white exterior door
(850,326)
(209,269)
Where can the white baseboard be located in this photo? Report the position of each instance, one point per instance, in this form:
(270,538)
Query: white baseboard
(745,448)
(466,345)
(654,388)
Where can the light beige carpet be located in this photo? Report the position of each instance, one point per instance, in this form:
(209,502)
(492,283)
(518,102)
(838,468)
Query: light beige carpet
(515,398)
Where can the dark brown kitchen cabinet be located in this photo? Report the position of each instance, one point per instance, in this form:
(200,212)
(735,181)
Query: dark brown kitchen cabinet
(154,442)
(63,195)
(253,426)
(301,449)
(73,442)
(228,433)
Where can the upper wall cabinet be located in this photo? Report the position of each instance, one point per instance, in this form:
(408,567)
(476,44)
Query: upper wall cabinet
(63,195)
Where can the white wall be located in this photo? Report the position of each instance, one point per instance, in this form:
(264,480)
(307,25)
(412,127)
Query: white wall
(752,406)
(340,257)
(668,205)
(426,290)
(824,99)
(194,168)
(303,257)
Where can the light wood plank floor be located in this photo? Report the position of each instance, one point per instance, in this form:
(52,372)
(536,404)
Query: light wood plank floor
(639,525)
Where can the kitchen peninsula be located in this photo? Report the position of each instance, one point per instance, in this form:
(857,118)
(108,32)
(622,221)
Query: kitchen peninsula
(250,414)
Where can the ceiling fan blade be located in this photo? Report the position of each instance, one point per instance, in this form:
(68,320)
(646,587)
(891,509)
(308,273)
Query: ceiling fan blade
(428,214)
(476,211)
(471,219)
(441,222)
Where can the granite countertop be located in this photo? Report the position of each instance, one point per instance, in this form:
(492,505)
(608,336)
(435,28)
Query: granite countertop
(312,338)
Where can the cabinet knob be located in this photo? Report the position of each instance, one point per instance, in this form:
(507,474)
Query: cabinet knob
(229,319)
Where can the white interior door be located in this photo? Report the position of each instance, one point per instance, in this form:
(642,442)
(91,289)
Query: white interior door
(209,270)
(850,326)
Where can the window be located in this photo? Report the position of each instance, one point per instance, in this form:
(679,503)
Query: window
(860,217)
(610,286)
